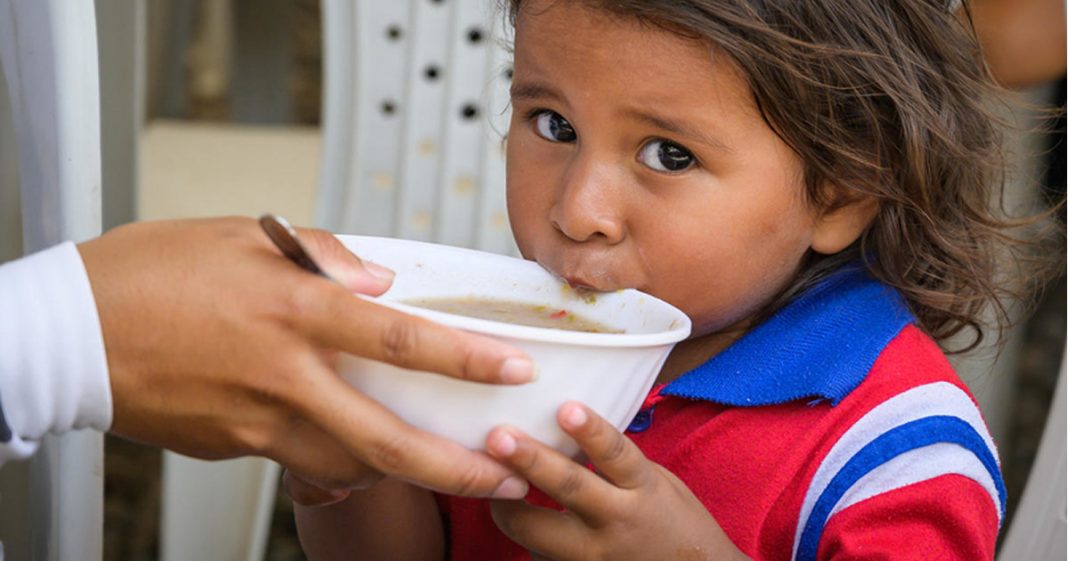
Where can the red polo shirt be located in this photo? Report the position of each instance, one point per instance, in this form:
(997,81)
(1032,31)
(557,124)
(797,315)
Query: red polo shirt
(835,430)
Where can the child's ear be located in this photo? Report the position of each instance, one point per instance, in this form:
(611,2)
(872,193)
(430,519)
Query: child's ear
(842,221)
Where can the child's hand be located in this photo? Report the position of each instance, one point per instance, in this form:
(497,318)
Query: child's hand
(631,509)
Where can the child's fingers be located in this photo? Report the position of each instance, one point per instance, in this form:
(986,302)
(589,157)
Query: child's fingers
(306,493)
(548,533)
(572,485)
(610,451)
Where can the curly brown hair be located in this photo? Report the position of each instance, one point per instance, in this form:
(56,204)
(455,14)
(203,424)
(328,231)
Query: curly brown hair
(887,99)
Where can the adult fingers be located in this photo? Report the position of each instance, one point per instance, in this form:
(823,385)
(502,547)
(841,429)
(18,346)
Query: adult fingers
(338,320)
(316,457)
(354,273)
(613,454)
(546,533)
(571,484)
(384,442)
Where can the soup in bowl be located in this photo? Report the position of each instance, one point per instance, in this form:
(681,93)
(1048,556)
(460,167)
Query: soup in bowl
(602,349)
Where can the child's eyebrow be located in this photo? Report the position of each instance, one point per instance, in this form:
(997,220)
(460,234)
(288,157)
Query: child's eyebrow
(533,90)
(681,129)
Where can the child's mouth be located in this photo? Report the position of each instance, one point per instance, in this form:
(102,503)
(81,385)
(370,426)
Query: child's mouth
(574,282)
(584,279)
(578,283)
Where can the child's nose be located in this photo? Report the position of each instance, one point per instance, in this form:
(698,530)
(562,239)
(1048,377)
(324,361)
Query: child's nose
(588,206)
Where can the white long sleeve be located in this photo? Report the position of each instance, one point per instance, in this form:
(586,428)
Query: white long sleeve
(53,367)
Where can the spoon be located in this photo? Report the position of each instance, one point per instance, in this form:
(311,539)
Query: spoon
(285,238)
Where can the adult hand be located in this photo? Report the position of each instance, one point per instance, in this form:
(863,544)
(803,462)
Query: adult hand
(219,347)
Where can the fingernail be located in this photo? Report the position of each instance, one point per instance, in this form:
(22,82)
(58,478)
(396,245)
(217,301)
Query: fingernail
(338,495)
(379,271)
(517,371)
(503,444)
(511,488)
(576,417)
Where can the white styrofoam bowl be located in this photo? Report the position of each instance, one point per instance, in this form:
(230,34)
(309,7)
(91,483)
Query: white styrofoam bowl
(609,372)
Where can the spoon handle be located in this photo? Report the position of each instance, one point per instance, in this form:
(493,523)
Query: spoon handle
(286,240)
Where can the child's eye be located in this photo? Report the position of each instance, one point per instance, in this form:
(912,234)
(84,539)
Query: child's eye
(664,155)
(552,126)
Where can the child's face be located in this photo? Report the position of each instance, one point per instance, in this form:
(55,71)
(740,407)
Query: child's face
(638,159)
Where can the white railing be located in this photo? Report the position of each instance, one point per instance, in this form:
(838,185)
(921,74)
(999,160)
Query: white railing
(48,50)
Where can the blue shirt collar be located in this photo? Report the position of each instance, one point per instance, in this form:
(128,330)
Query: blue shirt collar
(820,346)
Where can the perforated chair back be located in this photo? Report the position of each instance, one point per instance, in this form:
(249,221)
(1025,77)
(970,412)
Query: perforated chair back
(414,113)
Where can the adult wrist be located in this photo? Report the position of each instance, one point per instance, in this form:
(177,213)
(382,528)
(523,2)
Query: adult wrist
(53,366)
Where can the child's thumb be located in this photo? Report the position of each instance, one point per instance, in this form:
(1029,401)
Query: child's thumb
(345,267)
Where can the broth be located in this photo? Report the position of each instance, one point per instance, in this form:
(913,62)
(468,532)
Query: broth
(518,313)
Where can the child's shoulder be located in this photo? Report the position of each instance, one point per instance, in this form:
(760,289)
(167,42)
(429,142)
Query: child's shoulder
(911,364)
(911,384)
(904,437)
(910,359)
(910,427)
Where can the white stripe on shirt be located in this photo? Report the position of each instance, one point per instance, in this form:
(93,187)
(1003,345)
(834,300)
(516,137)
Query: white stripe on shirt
(935,399)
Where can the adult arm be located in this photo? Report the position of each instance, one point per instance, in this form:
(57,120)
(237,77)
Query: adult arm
(217,346)
(53,373)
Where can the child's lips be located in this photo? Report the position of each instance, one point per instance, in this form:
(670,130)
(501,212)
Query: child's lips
(602,282)
(585,277)
(579,282)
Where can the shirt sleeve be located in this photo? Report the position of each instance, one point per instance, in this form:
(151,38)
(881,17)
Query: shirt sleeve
(53,367)
(948,518)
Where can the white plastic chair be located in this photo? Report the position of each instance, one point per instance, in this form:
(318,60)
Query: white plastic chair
(414,106)
(216,510)
(1038,530)
(48,50)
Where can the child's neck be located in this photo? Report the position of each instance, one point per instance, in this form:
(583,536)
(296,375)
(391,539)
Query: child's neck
(692,353)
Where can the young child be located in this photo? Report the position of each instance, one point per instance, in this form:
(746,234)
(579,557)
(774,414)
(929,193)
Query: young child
(810,182)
